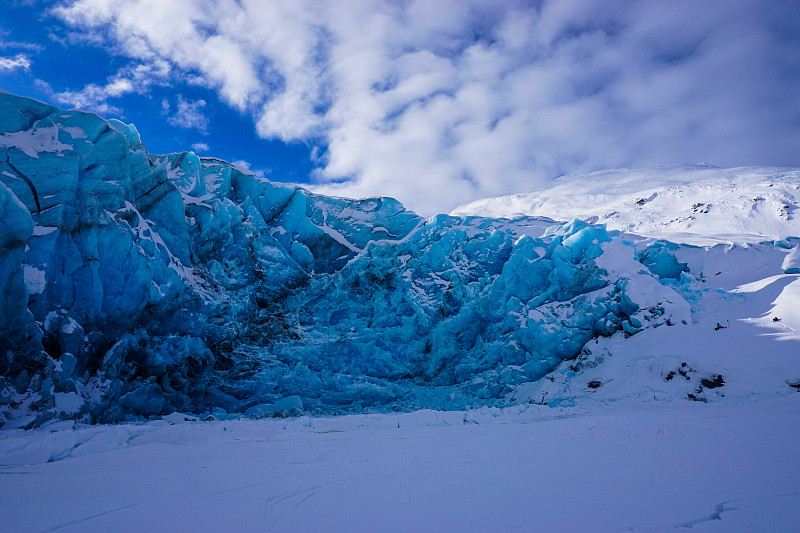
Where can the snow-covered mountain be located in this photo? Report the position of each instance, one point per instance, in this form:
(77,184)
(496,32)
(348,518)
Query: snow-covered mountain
(696,204)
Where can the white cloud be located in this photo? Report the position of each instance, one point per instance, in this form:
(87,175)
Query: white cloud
(19,45)
(440,102)
(189,114)
(135,78)
(18,62)
(91,98)
(200,147)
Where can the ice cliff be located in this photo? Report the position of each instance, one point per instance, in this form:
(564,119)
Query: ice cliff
(134,285)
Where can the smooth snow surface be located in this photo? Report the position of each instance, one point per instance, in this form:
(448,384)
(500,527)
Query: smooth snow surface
(722,467)
(695,204)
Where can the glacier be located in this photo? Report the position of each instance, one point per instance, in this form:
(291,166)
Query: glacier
(135,285)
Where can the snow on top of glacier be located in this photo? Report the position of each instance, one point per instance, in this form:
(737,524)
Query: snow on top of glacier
(34,141)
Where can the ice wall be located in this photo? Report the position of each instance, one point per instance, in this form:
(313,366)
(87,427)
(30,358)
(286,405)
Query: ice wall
(136,284)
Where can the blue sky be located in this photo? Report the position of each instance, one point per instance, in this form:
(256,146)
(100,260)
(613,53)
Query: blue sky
(434,102)
(58,65)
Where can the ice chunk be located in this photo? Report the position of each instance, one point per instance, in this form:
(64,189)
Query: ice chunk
(34,279)
(791,265)
(659,257)
(68,402)
(291,405)
(178,418)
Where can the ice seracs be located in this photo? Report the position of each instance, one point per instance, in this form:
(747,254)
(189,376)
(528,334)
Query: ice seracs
(136,285)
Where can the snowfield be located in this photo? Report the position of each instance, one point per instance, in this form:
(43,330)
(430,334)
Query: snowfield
(658,467)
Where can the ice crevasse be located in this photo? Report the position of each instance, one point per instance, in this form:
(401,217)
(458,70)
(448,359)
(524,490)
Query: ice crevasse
(135,285)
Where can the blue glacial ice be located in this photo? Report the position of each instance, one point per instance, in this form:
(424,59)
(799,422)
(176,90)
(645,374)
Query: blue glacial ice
(136,284)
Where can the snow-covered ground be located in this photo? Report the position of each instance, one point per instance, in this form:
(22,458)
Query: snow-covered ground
(709,467)
(612,441)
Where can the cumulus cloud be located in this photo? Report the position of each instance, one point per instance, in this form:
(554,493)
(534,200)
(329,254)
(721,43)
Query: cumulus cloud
(441,102)
(200,147)
(18,62)
(189,114)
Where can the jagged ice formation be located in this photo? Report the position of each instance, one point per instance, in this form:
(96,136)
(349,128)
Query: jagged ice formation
(134,285)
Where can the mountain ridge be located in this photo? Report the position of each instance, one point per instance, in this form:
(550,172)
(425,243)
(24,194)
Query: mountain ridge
(695,204)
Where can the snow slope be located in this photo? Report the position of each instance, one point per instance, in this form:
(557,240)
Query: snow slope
(697,204)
